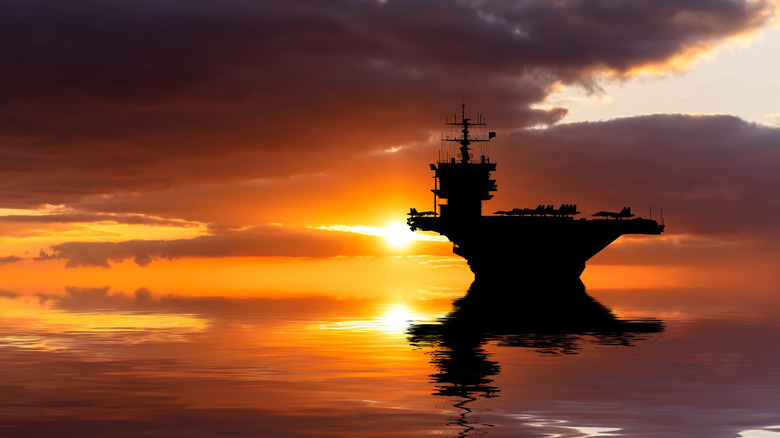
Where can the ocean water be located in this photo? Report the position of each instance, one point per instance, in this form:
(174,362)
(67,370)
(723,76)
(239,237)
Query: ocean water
(630,363)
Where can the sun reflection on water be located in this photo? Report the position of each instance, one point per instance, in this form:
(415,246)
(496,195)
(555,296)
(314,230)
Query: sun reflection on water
(393,319)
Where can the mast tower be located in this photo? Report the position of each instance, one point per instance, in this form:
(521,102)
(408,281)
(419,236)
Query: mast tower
(464,184)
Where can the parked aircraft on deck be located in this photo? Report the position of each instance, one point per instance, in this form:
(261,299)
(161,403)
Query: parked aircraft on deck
(542,210)
(624,213)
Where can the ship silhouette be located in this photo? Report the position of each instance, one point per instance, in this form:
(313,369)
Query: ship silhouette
(543,244)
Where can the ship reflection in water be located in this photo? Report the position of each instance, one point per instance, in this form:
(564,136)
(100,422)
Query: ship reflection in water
(550,319)
(504,251)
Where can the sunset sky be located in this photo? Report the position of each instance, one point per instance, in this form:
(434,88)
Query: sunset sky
(280,144)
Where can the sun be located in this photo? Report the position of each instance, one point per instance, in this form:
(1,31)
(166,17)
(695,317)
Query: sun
(398,235)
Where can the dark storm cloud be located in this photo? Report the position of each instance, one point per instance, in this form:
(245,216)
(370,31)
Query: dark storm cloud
(713,175)
(105,96)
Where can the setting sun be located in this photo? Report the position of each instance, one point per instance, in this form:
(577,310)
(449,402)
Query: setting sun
(398,236)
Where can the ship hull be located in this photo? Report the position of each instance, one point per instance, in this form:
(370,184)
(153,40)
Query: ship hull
(545,250)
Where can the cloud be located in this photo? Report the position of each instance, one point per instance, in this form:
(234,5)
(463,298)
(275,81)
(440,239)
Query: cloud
(9,259)
(712,175)
(43,255)
(104,97)
(128,219)
(269,241)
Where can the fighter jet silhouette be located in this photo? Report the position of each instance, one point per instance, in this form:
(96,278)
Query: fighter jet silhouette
(624,213)
(414,213)
(542,210)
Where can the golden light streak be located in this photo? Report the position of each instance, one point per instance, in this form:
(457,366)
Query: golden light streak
(691,56)
(397,235)
(683,61)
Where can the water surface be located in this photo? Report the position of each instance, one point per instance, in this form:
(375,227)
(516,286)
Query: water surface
(102,363)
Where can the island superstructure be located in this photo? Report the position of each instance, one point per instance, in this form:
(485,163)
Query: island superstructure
(524,243)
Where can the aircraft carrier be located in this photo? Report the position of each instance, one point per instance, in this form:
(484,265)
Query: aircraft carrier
(543,244)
